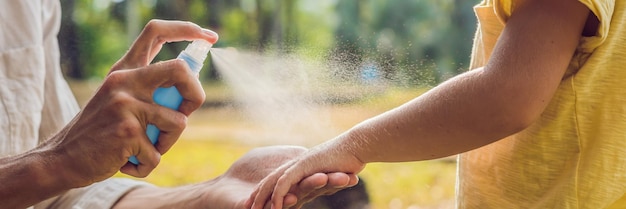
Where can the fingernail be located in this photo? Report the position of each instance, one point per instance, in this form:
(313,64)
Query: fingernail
(211,33)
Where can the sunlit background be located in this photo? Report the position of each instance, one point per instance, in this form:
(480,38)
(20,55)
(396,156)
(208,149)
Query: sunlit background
(352,59)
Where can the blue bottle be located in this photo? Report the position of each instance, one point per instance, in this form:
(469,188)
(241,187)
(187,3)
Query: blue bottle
(194,55)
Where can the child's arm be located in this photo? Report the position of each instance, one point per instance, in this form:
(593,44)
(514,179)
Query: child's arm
(469,111)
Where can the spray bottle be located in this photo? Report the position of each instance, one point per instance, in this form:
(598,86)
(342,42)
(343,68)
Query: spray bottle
(194,55)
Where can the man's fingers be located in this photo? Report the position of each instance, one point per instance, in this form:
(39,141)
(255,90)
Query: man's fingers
(313,182)
(192,104)
(148,158)
(164,73)
(320,184)
(354,180)
(338,180)
(174,73)
(170,122)
(158,32)
(290,200)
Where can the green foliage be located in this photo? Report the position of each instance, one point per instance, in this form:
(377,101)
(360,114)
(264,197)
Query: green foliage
(237,29)
(416,42)
(100,40)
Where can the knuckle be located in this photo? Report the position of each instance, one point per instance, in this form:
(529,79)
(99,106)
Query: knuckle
(178,65)
(115,78)
(280,180)
(179,71)
(201,98)
(152,29)
(128,129)
(152,25)
(180,121)
(149,166)
(157,160)
(119,100)
(174,68)
(191,26)
(195,98)
(142,174)
(188,24)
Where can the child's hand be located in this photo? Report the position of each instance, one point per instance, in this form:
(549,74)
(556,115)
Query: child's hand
(325,158)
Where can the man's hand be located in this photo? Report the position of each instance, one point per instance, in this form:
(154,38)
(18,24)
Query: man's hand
(232,189)
(112,126)
(239,181)
(277,188)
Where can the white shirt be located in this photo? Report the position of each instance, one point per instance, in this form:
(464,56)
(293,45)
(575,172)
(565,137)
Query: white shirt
(35,100)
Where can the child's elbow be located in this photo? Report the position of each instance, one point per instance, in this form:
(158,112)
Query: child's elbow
(518,120)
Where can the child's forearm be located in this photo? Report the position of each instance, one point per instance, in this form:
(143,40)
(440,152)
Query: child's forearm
(462,114)
(484,105)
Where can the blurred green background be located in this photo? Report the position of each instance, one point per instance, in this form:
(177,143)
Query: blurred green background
(398,35)
(414,43)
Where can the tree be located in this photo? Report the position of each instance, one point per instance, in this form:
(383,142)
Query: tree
(68,42)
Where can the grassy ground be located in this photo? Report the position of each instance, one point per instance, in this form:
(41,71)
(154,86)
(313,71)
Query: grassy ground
(219,134)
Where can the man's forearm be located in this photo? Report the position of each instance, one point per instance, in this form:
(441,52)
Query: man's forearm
(29,178)
(155,197)
(219,193)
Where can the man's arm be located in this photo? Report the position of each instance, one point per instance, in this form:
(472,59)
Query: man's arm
(99,140)
(231,190)
(29,178)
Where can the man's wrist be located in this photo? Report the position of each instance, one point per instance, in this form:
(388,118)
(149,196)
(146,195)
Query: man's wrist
(29,178)
(48,171)
(55,167)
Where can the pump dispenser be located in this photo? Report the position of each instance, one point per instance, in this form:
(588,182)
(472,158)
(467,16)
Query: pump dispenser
(169,97)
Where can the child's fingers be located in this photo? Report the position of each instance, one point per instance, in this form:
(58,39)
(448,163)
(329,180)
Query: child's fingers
(261,195)
(284,183)
(311,183)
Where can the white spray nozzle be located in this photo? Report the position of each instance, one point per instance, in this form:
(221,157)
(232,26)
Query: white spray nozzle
(198,50)
(195,53)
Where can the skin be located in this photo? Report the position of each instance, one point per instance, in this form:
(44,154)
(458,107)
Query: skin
(473,109)
(231,190)
(111,127)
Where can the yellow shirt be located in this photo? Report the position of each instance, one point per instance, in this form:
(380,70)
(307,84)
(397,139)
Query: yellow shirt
(574,155)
